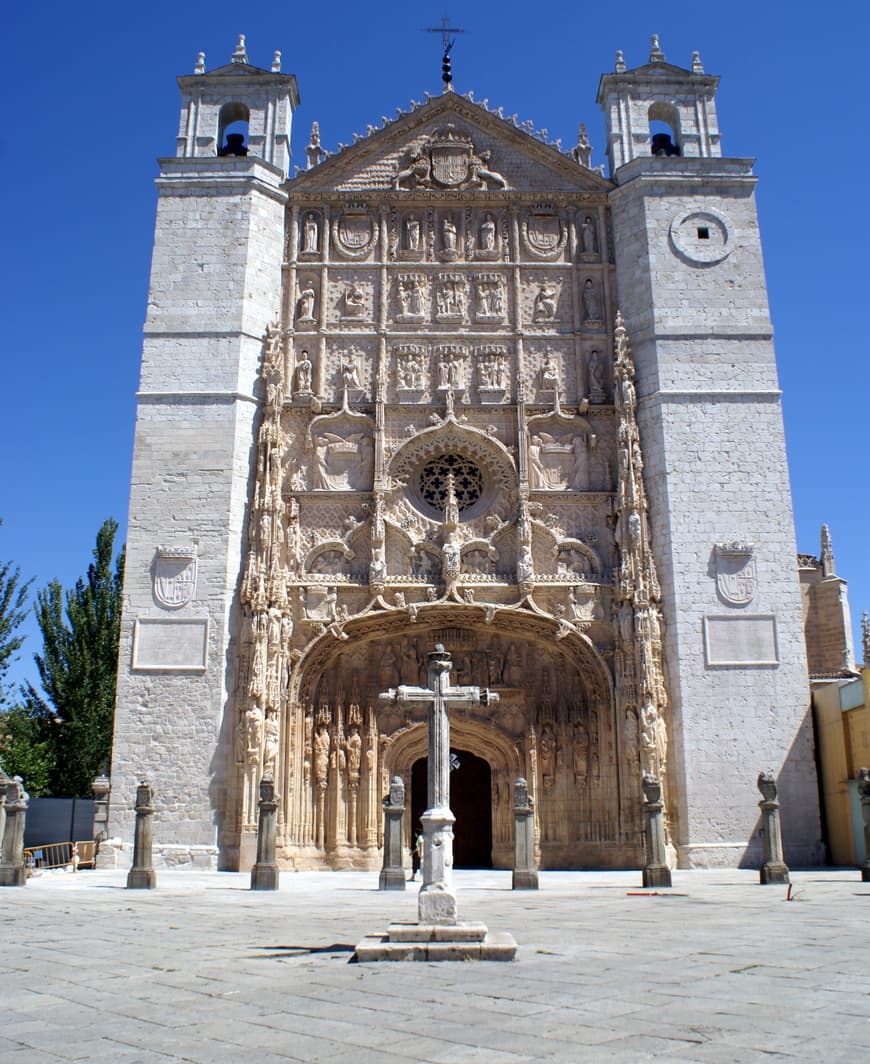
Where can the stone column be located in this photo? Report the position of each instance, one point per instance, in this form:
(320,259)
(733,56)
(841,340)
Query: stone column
(525,876)
(265,874)
(655,872)
(864,794)
(12,870)
(393,871)
(142,875)
(773,868)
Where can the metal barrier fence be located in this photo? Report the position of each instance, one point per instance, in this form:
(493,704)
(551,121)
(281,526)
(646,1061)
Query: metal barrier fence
(61,854)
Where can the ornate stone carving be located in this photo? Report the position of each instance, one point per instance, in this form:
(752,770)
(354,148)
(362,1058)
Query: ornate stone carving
(544,233)
(591,298)
(353,301)
(447,159)
(310,234)
(354,233)
(306,304)
(174,576)
(411,373)
(450,367)
(736,577)
(595,377)
(450,297)
(410,295)
(489,295)
(587,233)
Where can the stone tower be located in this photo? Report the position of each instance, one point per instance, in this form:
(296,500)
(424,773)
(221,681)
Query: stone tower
(690,282)
(392,402)
(215,283)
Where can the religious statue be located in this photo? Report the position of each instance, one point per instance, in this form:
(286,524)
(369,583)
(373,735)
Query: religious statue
(449,234)
(319,471)
(412,233)
(253,734)
(545,303)
(525,570)
(487,233)
(596,378)
(271,734)
(349,375)
(354,300)
(321,754)
(591,301)
(309,234)
(581,750)
(451,556)
(549,374)
(410,298)
(579,466)
(548,753)
(537,472)
(632,751)
(353,753)
(587,236)
(307,297)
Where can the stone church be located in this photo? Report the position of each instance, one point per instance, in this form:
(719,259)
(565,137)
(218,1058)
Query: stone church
(452,384)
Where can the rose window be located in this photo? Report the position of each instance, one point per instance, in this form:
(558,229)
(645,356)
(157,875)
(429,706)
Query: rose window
(467,481)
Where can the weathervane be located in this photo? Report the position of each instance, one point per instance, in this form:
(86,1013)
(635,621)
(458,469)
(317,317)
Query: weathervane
(448,39)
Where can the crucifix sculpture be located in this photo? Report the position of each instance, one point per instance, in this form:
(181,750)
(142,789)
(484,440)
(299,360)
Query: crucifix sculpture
(437,902)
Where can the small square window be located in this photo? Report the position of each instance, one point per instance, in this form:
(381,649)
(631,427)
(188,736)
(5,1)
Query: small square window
(703,232)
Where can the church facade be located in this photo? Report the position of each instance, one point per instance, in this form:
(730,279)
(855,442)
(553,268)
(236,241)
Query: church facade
(452,385)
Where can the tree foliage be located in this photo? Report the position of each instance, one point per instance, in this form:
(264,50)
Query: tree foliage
(78,667)
(26,749)
(13,610)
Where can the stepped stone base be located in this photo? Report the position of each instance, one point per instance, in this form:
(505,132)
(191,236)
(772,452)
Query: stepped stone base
(437,942)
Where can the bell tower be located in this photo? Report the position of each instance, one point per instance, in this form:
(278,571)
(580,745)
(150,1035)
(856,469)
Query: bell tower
(215,286)
(691,286)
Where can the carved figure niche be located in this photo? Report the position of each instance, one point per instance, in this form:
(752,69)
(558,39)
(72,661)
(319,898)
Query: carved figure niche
(341,452)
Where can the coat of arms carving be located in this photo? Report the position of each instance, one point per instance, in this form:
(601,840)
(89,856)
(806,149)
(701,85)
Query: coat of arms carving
(174,576)
(354,232)
(736,576)
(448,160)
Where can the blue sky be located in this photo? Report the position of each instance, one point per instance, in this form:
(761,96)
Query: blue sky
(92,101)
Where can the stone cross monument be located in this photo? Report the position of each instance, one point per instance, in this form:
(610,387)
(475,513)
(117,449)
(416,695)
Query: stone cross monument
(773,867)
(12,869)
(437,902)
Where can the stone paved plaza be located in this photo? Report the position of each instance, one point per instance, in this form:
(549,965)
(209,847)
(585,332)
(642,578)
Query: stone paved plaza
(203,969)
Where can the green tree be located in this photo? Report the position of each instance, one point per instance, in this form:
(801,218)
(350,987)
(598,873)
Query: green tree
(26,749)
(13,610)
(78,666)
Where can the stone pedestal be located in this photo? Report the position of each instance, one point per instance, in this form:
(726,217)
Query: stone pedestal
(864,794)
(437,902)
(525,875)
(101,787)
(265,874)
(436,942)
(392,875)
(142,875)
(655,872)
(12,870)
(773,868)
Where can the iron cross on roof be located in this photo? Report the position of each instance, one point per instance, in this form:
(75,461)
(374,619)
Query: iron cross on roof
(448,39)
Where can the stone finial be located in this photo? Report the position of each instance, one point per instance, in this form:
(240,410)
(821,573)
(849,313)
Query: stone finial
(827,554)
(697,65)
(767,785)
(240,55)
(865,638)
(656,55)
(314,153)
(582,153)
(619,66)
(276,62)
(200,63)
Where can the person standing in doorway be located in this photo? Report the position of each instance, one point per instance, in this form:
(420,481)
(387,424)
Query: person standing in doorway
(416,854)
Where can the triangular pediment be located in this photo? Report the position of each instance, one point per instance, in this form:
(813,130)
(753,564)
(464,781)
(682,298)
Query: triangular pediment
(450,143)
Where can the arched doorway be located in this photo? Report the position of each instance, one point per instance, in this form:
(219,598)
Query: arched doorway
(471,803)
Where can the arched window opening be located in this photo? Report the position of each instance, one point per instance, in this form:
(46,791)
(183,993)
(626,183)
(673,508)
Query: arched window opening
(664,130)
(233,129)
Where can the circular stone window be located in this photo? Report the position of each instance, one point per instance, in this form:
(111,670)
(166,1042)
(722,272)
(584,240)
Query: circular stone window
(467,481)
(703,237)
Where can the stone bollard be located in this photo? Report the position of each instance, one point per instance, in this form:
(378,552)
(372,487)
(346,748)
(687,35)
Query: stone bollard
(393,871)
(525,875)
(864,794)
(773,867)
(655,872)
(101,787)
(265,874)
(142,875)
(13,872)
(4,783)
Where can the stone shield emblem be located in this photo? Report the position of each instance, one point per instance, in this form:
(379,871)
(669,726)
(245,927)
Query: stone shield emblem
(544,231)
(450,164)
(736,577)
(354,233)
(174,577)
